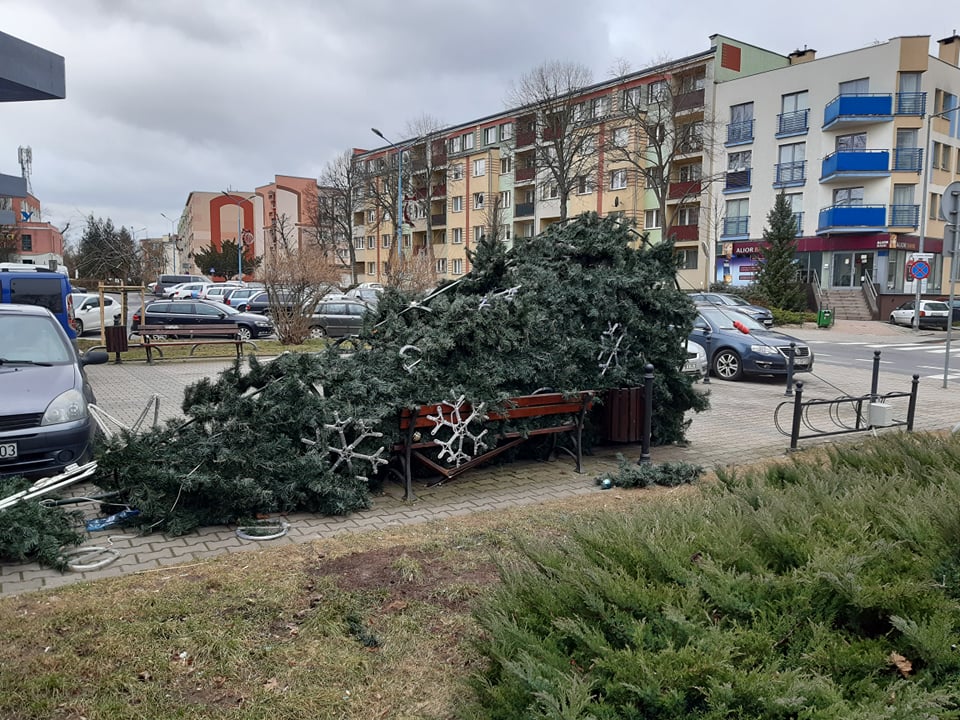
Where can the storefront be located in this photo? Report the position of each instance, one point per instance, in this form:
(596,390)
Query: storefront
(839,261)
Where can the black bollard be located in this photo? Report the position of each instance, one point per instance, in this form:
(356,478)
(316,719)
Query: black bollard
(647,413)
(797,412)
(706,337)
(912,407)
(790,355)
(875,380)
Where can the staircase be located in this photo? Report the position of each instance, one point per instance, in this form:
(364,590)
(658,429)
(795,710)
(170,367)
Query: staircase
(847,304)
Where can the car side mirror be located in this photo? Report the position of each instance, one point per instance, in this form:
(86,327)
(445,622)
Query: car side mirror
(221,315)
(94,357)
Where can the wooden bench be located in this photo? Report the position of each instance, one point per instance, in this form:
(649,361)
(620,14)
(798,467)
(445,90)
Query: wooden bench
(418,424)
(153,338)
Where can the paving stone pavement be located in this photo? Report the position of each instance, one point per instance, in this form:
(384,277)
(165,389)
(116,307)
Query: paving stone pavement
(738,429)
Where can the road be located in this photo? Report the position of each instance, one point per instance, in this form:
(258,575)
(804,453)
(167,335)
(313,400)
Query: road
(924,357)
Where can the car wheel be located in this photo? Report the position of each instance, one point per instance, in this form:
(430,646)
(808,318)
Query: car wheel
(78,326)
(317,332)
(727,365)
(244,333)
(893,320)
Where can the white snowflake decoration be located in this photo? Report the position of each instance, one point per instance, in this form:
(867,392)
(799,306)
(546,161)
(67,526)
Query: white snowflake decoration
(347,451)
(460,431)
(509,294)
(610,341)
(405,354)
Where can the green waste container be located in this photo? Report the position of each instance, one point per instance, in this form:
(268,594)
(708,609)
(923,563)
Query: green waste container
(824,318)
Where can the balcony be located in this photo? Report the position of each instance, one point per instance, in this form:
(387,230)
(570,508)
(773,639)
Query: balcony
(687,101)
(904,216)
(796,122)
(858,109)
(737,181)
(437,220)
(438,191)
(736,227)
(912,103)
(681,190)
(523,210)
(685,232)
(852,219)
(791,174)
(845,164)
(524,174)
(908,159)
(739,133)
(526,137)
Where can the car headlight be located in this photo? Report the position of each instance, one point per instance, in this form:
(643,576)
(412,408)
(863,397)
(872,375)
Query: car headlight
(764,349)
(263,323)
(66,407)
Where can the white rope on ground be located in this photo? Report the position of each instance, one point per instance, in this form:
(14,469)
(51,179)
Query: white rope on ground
(280,529)
(73,474)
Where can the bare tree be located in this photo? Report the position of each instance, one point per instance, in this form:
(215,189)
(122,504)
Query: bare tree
(495,217)
(663,138)
(329,226)
(427,177)
(564,135)
(296,276)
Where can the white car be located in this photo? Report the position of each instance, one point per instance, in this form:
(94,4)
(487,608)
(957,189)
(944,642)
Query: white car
(696,363)
(933,314)
(188,291)
(86,311)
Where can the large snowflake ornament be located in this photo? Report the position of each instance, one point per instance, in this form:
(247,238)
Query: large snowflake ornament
(346,452)
(509,294)
(610,341)
(406,353)
(453,448)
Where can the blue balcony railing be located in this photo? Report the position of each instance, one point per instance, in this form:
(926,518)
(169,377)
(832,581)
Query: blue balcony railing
(852,218)
(796,122)
(911,103)
(791,173)
(858,108)
(908,159)
(904,216)
(739,133)
(855,163)
(737,181)
(736,226)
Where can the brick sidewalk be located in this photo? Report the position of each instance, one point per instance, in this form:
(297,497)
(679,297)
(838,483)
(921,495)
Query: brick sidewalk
(738,429)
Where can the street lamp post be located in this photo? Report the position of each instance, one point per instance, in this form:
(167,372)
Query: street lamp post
(399,218)
(927,172)
(239,204)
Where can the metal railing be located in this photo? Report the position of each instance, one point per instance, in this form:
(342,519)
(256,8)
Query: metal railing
(739,132)
(793,123)
(791,172)
(869,291)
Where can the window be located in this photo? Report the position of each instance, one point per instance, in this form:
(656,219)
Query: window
(478,201)
(860,86)
(407,240)
(441,266)
(589,145)
(385,241)
(371,242)
(941,156)
(358,243)
(651,218)
(468,141)
(599,107)
(371,216)
(618,179)
(584,184)
(690,137)
(456,171)
(479,167)
(691,172)
(740,129)
(737,220)
(506,231)
(848,196)
(454,145)
(457,236)
(688,258)
(631,99)
(458,266)
(550,191)
(479,233)
(791,167)
(856,141)
(506,131)
(621,137)
(490,135)
(506,165)
(794,102)
(657,91)
(692,83)
(935,206)
(688,215)
(505,198)
(737,161)
(26,243)
(456,204)
(371,268)
(441,236)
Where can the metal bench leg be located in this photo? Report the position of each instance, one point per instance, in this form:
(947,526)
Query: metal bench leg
(408,495)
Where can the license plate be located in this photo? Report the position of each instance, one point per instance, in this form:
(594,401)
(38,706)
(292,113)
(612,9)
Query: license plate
(8,451)
(801,362)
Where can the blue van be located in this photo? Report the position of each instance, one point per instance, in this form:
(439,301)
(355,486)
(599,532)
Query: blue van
(37,285)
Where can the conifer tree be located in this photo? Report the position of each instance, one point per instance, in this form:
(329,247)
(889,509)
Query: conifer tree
(777,278)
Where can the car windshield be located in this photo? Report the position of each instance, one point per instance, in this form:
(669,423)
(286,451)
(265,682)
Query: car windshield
(735,300)
(937,306)
(724,320)
(32,339)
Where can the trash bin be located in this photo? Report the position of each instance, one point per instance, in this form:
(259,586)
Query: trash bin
(115,337)
(824,318)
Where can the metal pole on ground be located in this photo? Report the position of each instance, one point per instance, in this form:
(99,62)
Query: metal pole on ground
(792,353)
(797,411)
(951,210)
(647,413)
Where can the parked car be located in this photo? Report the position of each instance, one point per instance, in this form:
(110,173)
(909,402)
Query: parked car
(933,314)
(369,295)
(45,424)
(739,345)
(200,312)
(337,318)
(36,285)
(955,306)
(166,281)
(260,302)
(190,290)
(239,295)
(734,302)
(696,363)
(216,291)
(86,312)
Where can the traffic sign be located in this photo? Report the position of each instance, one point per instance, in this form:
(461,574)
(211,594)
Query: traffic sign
(950,203)
(920,269)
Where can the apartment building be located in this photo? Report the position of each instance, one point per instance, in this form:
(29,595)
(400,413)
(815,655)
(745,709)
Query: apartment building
(488,177)
(29,239)
(853,141)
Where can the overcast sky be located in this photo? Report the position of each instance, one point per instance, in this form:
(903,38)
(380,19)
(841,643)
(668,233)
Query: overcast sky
(165,97)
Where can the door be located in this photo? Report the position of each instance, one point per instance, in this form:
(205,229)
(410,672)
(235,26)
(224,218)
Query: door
(843,270)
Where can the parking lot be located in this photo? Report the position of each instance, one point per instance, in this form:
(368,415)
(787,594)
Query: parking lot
(738,429)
